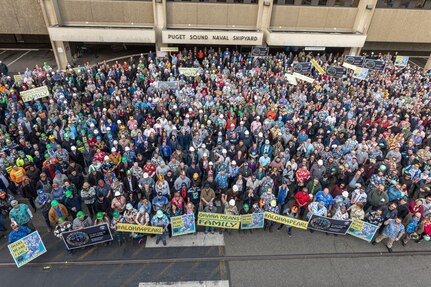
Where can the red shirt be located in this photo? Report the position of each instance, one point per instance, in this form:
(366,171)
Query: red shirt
(302,198)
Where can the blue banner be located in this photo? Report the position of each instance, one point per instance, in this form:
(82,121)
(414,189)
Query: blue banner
(184,224)
(27,249)
(252,221)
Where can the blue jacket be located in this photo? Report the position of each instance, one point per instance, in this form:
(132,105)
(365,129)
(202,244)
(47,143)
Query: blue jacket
(20,233)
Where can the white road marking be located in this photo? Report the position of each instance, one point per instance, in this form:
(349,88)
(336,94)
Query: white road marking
(11,63)
(20,49)
(200,239)
(3,52)
(217,283)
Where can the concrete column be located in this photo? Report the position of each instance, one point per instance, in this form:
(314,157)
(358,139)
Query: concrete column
(362,22)
(428,64)
(264,14)
(160,22)
(353,51)
(61,50)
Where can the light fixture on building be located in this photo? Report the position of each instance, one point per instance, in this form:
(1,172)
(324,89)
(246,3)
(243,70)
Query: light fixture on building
(267,3)
(370,6)
(159,1)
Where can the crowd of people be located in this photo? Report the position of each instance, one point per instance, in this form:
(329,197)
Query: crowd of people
(114,144)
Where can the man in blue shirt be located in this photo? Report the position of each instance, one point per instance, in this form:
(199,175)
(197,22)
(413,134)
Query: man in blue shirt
(18,232)
(393,231)
(326,197)
(160,202)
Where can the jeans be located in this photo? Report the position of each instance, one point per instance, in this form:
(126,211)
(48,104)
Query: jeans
(161,236)
(209,228)
(2,228)
(120,236)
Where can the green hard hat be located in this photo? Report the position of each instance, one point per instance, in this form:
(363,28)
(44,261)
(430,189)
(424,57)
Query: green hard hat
(159,214)
(116,214)
(80,214)
(245,206)
(60,220)
(48,146)
(54,203)
(382,167)
(99,215)
(68,193)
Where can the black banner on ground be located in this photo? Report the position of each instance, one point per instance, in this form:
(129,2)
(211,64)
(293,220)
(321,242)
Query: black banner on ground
(335,72)
(354,60)
(326,224)
(302,68)
(260,51)
(372,64)
(88,236)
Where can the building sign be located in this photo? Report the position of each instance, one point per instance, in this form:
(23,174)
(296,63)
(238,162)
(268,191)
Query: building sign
(212,37)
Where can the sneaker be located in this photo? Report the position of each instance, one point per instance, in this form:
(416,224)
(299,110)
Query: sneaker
(389,249)
(373,243)
(157,241)
(212,232)
(289,233)
(206,232)
(403,242)
(141,241)
(164,242)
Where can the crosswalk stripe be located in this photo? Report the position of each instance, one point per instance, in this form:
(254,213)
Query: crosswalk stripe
(199,239)
(216,283)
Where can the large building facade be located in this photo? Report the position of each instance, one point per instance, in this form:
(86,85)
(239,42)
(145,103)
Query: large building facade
(352,25)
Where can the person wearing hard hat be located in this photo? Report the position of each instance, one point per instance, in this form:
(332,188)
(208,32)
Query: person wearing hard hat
(57,211)
(160,220)
(82,221)
(229,208)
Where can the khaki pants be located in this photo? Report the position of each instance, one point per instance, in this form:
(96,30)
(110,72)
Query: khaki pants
(389,241)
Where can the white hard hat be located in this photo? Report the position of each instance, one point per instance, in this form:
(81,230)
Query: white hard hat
(232,202)
(224,150)
(127,148)
(113,149)
(73,147)
(205,154)
(311,196)
(234,162)
(106,157)
(235,188)
(260,134)
(246,132)
(191,149)
(117,193)
(345,194)
(320,162)
(204,145)
(145,175)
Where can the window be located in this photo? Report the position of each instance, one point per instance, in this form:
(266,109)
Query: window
(404,4)
(327,3)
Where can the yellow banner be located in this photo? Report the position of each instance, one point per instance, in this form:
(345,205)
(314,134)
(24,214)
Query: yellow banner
(35,94)
(301,224)
(124,227)
(219,220)
(177,222)
(357,224)
(169,49)
(189,72)
(317,67)
(17,78)
(18,248)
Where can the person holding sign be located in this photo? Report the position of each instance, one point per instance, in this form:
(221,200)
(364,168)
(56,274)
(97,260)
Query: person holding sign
(160,220)
(18,232)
